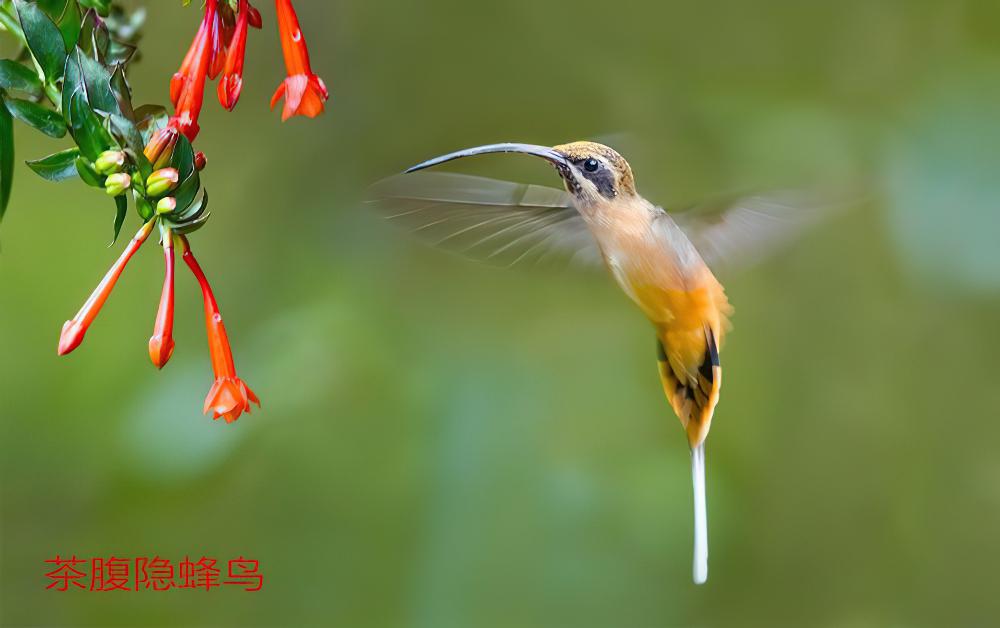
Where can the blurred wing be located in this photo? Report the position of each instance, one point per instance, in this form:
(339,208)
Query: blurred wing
(737,233)
(498,222)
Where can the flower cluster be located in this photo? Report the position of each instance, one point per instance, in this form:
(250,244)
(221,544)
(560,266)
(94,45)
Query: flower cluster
(219,48)
(143,153)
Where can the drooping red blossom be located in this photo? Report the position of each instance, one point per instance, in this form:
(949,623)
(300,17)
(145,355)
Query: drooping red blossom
(303,91)
(74,329)
(231,83)
(187,89)
(185,74)
(229,396)
(225,24)
(161,343)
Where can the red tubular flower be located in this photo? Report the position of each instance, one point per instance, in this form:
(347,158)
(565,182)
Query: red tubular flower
(229,396)
(231,83)
(74,330)
(219,38)
(185,74)
(161,344)
(187,89)
(303,91)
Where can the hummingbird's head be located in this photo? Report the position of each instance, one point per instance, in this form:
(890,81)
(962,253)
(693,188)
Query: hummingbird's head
(598,172)
(592,173)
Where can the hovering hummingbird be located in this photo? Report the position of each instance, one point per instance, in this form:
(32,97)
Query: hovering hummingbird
(661,261)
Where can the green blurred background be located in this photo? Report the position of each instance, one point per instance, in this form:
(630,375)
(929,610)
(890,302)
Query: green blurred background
(445,444)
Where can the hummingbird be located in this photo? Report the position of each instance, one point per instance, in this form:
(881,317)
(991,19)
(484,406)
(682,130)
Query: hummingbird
(662,261)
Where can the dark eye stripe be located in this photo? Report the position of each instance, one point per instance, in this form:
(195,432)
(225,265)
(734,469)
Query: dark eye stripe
(604,180)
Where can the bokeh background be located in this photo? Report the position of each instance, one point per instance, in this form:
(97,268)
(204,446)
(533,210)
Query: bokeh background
(446,444)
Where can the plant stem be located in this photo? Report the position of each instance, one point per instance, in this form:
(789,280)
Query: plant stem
(11,25)
(54,95)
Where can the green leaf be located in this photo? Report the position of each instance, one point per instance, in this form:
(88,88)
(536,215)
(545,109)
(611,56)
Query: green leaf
(86,171)
(97,81)
(144,207)
(66,15)
(121,209)
(122,92)
(192,218)
(193,226)
(6,156)
(124,130)
(120,53)
(45,40)
(101,6)
(36,116)
(90,135)
(58,166)
(52,8)
(183,158)
(128,136)
(187,190)
(187,175)
(72,85)
(193,211)
(94,38)
(69,24)
(18,77)
(89,79)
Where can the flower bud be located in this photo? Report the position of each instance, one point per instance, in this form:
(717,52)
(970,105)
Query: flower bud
(200,161)
(161,181)
(161,343)
(110,162)
(161,147)
(166,205)
(71,337)
(254,16)
(160,349)
(116,184)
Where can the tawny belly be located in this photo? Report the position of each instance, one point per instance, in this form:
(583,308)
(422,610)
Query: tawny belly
(681,318)
(680,301)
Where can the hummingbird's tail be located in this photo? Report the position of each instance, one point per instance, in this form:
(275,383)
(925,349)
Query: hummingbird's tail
(691,374)
(700,514)
(692,377)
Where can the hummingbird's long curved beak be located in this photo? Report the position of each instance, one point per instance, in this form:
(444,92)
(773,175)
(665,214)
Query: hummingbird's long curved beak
(549,154)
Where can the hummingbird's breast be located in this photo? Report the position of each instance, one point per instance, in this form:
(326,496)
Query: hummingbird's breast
(659,269)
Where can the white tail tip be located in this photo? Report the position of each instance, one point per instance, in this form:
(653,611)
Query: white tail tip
(700,515)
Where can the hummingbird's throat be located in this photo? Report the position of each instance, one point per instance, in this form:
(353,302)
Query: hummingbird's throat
(569,180)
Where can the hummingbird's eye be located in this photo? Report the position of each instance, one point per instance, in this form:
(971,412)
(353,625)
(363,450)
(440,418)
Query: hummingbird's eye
(591,165)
